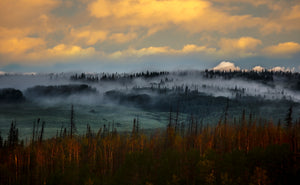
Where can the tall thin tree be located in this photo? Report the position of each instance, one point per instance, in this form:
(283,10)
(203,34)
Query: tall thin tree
(72,123)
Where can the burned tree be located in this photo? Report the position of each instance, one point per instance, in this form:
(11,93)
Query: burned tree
(72,123)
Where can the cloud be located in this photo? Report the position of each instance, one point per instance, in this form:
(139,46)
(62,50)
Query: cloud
(187,49)
(53,30)
(122,38)
(229,66)
(24,27)
(192,48)
(17,46)
(258,68)
(90,37)
(243,43)
(242,47)
(24,13)
(285,20)
(271,4)
(279,68)
(140,52)
(286,49)
(190,15)
(61,52)
(226,66)
(64,50)
(148,11)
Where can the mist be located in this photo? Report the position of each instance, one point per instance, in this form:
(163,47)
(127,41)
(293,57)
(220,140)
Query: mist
(107,98)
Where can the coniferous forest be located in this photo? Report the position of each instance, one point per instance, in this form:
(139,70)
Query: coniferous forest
(185,127)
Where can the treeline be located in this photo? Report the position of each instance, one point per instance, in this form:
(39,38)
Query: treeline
(59,90)
(245,150)
(117,76)
(264,75)
(10,95)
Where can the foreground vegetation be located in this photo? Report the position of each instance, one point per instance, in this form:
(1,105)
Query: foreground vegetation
(239,151)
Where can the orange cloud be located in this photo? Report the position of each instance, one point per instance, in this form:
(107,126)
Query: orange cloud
(67,51)
(122,38)
(243,47)
(286,20)
(243,43)
(16,46)
(90,37)
(149,11)
(190,48)
(24,24)
(35,29)
(15,42)
(22,13)
(36,55)
(286,49)
(140,52)
(191,15)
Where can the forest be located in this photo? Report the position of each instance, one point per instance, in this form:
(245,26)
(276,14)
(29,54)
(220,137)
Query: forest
(150,128)
(243,150)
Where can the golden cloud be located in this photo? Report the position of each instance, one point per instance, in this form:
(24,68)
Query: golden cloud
(191,15)
(16,13)
(122,38)
(243,47)
(16,46)
(30,29)
(140,52)
(286,49)
(14,42)
(243,43)
(60,51)
(190,48)
(90,37)
(149,10)
(24,25)
(287,20)
(69,51)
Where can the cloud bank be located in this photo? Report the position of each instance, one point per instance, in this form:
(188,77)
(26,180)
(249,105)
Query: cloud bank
(50,31)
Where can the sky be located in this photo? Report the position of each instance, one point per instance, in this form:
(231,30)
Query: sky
(129,35)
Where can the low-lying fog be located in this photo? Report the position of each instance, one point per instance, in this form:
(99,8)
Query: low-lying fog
(119,98)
